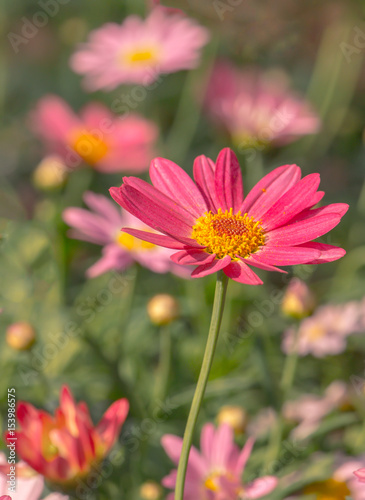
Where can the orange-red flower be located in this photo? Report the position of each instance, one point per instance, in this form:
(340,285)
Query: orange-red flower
(66,446)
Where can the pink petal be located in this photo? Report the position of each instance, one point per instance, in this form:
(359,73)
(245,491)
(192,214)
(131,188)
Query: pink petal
(156,214)
(262,265)
(269,189)
(334,208)
(286,256)
(192,257)
(162,240)
(222,447)
(215,266)
(228,181)
(303,231)
(244,456)
(175,183)
(204,169)
(292,202)
(329,253)
(240,272)
(206,440)
(154,194)
(114,257)
(172,446)
(109,426)
(260,487)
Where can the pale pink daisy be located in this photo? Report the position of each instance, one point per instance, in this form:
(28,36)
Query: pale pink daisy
(326,332)
(309,410)
(27,487)
(360,474)
(97,137)
(257,108)
(138,50)
(216,228)
(215,473)
(102,226)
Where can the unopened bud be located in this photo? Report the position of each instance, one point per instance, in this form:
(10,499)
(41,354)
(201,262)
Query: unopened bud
(298,301)
(50,174)
(150,491)
(20,336)
(234,416)
(163,309)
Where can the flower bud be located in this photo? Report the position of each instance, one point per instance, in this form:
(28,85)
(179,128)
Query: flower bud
(163,309)
(234,416)
(298,301)
(50,173)
(20,336)
(150,491)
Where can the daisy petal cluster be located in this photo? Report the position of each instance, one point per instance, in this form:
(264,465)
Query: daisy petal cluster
(96,137)
(138,50)
(66,446)
(101,225)
(215,227)
(215,473)
(310,410)
(26,488)
(257,108)
(326,332)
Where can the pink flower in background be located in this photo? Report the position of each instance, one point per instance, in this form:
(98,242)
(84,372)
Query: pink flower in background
(298,300)
(215,228)
(360,474)
(309,410)
(26,488)
(138,51)
(325,333)
(102,226)
(257,108)
(216,472)
(67,446)
(97,137)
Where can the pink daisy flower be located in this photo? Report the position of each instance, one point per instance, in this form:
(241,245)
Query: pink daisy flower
(257,108)
(102,226)
(97,137)
(360,474)
(138,50)
(27,487)
(215,228)
(309,410)
(325,333)
(216,472)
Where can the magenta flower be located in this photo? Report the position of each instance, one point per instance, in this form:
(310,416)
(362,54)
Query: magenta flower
(326,332)
(257,108)
(309,410)
(138,51)
(214,227)
(216,472)
(120,250)
(97,137)
(27,487)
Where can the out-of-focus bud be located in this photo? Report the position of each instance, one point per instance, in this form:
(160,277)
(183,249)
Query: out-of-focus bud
(298,301)
(20,336)
(163,309)
(73,30)
(50,174)
(150,491)
(235,416)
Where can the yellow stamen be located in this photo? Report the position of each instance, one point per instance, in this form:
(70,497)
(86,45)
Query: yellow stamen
(91,149)
(328,490)
(227,234)
(141,56)
(131,243)
(316,332)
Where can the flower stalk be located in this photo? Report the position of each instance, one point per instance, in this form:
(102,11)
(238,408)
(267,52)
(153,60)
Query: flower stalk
(215,323)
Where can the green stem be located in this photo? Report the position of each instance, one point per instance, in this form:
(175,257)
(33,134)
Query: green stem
(215,323)
(163,370)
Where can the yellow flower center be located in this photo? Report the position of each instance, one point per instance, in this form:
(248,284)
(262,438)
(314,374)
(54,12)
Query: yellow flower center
(212,483)
(90,148)
(132,243)
(141,57)
(328,490)
(230,234)
(316,332)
